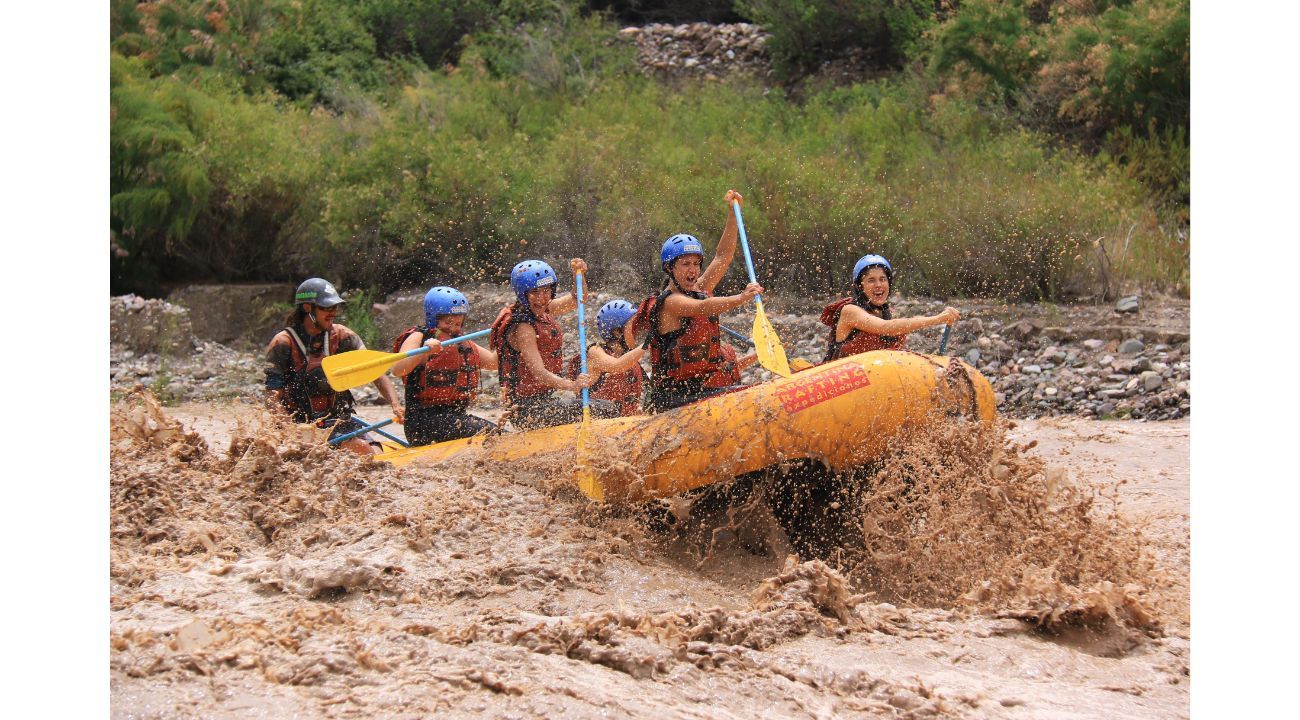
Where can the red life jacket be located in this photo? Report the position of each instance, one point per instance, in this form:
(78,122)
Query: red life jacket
(308,388)
(690,352)
(728,374)
(857,341)
(623,388)
(448,379)
(517,380)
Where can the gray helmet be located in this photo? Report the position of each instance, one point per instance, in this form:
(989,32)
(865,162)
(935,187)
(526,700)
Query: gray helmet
(317,292)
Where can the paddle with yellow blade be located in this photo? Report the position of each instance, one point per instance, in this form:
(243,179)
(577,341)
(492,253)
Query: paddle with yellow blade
(796,364)
(358,367)
(771,354)
(429,453)
(586,481)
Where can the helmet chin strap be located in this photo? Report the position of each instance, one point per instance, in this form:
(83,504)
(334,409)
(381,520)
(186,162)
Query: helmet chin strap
(312,316)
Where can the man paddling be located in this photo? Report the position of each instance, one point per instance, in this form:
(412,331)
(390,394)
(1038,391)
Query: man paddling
(296,383)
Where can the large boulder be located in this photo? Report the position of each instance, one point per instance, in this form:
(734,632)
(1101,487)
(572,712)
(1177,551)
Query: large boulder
(149,326)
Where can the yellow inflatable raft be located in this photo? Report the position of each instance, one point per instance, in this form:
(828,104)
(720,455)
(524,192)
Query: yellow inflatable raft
(842,414)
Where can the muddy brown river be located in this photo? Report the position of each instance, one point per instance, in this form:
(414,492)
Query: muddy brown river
(1036,571)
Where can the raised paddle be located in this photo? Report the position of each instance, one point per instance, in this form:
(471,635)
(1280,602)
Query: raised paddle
(771,354)
(358,367)
(943,344)
(586,481)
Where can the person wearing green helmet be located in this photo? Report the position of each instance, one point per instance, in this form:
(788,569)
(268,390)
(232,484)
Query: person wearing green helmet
(295,381)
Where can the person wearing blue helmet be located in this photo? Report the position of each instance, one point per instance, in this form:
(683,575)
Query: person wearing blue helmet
(530,344)
(683,334)
(864,321)
(613,359)
(295,379)
(441,384)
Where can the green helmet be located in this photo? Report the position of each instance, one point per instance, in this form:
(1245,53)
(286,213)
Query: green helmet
(317,292)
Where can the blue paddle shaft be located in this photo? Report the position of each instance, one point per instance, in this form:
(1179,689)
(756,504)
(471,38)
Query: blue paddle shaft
(738,336)
(582,333)
(354,433)
(453,341)
(943,344)
(392,437)
(744,245)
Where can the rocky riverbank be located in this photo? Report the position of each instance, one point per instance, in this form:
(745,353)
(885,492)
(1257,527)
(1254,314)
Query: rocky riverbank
(1127,360)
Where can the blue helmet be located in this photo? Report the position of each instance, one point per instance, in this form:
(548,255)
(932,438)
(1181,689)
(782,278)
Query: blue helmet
(679,245)
(530,275)
(866,263)
(443,301)
(612,316)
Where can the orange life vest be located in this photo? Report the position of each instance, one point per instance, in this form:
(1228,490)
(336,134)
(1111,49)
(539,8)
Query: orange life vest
(516,379)
(690,352)
(729,372)
(449,378)
(621,388)
(857,341)
(307,387)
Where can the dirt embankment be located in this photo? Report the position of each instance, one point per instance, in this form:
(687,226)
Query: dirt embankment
(996,573)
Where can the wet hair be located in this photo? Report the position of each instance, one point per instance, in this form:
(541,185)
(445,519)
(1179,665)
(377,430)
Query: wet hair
(296,316)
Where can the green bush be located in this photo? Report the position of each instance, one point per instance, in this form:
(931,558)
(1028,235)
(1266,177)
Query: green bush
(430,30)
(806,33)
(158,185)
(456,174)
(359,316)
(992,40)
(1129,66)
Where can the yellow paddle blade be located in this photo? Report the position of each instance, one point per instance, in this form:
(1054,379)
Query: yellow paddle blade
(431,453)
(771,354)
(357,367)
(587,482)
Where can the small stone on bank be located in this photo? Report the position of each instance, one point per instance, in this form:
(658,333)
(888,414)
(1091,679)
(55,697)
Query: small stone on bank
(1132,346)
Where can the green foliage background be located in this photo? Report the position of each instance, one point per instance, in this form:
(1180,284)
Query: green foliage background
(1015,149)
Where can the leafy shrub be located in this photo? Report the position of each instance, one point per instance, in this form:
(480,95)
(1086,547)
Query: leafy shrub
(359,316)
(669,11)
(158,186)
(1127,66)
(456,174)
(430,30)
(992,39)
(557,49)
(319,49)
(806,33)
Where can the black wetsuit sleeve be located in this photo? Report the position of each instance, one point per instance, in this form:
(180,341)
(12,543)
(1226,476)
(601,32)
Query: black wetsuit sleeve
(278,359)
(350,341)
